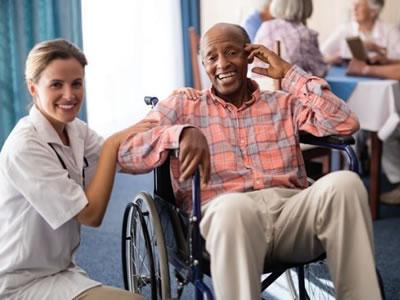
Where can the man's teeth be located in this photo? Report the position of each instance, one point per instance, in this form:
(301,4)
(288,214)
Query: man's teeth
(66,106)
(226,75)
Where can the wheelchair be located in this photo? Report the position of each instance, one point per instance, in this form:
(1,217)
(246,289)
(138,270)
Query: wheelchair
(160,241)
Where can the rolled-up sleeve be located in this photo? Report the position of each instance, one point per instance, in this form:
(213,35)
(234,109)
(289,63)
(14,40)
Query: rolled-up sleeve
(147,150)
(315,108)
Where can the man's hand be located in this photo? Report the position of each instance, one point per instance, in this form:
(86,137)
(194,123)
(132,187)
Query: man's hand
(194,152)
(277,66)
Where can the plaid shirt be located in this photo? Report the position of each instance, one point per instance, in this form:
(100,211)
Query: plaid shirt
(299,44)
(252,147)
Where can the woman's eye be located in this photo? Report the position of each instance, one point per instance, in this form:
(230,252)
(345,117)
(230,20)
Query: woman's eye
(56,85)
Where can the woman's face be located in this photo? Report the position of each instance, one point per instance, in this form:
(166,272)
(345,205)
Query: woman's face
(59,91)
(362,12)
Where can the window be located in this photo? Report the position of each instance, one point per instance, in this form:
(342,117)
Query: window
(134,49)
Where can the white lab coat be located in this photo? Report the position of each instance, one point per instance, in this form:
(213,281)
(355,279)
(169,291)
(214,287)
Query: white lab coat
(38,202)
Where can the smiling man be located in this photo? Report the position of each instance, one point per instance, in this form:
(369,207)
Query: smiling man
(256,201)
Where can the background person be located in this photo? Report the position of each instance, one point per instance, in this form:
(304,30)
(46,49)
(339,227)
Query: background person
(255,200)
(379,37)
(299,44)
(253,21)
(55,174)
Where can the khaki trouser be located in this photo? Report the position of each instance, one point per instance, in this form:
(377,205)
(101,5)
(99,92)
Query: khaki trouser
(285,225)
(104,292)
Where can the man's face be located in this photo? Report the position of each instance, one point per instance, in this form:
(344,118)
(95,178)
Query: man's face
(225,61)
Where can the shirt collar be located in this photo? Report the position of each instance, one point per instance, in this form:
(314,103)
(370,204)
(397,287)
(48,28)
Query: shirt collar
(47,131)
(254,87)
(43,127)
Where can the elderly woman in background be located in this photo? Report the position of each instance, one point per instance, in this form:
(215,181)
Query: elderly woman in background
(380,39)
(253,21)
(299,44)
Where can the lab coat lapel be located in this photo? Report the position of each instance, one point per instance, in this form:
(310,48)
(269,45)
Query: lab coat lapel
(77,144)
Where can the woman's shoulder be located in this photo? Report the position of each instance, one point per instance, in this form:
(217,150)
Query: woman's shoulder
(22,140)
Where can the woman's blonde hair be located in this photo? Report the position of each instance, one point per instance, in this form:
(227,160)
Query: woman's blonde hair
(292,10)
(45,52)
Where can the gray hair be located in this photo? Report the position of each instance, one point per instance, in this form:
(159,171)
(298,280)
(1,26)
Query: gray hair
(292,10)
(376,4)
(261,4)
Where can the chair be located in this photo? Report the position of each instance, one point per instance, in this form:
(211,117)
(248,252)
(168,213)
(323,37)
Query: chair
(200,79)
(156,234)
(317,159)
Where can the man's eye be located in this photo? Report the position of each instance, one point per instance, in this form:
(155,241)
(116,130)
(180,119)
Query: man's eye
(232,52)
(211,58)
(77,85)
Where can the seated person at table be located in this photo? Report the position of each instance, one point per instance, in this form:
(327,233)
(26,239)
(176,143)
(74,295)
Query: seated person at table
(253,22)
(299,44)
(255,198)
(390,70)
(379,38)
(391,146)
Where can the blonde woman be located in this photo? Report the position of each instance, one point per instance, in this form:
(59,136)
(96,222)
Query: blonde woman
(55,174)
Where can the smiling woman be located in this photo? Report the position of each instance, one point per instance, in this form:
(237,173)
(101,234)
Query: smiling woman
(55,174)
(58,93)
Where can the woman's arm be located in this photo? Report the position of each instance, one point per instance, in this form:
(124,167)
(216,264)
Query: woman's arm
(389,71)
(99,189)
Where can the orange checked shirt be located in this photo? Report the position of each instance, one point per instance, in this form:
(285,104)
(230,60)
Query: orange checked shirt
(252,147)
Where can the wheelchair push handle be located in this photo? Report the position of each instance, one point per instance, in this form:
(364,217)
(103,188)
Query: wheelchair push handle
(150,100)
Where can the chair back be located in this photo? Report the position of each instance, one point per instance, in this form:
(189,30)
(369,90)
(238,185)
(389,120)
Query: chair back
(200,78)
(277,50)
(194,40)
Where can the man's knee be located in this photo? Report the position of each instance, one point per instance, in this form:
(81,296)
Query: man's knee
(227,211)
(343,186)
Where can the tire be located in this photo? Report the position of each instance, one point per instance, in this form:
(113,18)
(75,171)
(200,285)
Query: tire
(144,255)
(317,282)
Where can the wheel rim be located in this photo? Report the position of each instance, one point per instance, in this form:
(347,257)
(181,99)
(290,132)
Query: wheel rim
(140,263)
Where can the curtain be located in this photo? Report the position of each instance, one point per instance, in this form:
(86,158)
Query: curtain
(23,23)
(190,13)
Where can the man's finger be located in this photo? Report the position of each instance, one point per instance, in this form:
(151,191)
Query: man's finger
(261,71)
(189,169)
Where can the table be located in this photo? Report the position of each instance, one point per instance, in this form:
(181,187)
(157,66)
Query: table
(376,102)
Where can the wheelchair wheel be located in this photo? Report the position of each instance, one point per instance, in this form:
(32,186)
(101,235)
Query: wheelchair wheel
(144,255)
(317,282)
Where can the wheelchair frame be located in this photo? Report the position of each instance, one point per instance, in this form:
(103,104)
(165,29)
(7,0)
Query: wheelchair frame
(186,252)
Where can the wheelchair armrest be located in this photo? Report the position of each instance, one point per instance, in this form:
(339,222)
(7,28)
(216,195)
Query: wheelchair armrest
(338,142)
(307,138)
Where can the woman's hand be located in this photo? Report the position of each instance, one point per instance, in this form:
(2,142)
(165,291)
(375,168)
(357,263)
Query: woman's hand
(139,127)
(370,46)
(357,67)
(189,92)
(277,66)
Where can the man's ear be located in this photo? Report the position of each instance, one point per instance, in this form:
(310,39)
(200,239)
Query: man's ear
(31,88)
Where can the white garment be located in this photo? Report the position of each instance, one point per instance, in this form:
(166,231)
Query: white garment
(383,34)
(38,202)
